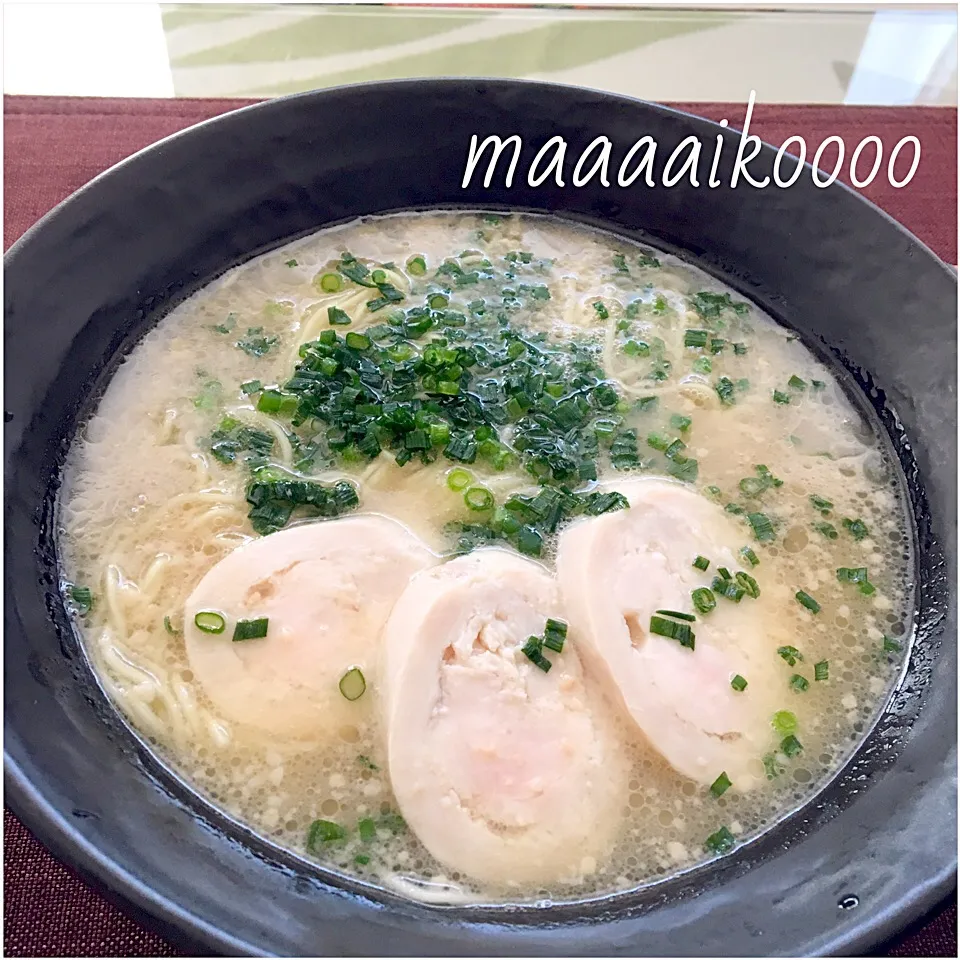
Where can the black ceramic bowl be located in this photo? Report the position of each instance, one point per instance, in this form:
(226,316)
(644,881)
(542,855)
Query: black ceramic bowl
(91,277)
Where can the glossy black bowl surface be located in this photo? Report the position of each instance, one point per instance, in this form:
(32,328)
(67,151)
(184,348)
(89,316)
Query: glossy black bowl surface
(86,282)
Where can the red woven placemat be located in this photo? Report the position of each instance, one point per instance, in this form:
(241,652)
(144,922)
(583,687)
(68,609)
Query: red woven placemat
(53,145)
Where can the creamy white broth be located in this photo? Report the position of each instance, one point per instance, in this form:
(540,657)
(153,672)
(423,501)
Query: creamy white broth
(148,510)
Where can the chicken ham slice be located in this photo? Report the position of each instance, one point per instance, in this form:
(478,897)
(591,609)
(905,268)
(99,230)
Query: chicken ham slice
(616,571)
(505,772)
(327,589)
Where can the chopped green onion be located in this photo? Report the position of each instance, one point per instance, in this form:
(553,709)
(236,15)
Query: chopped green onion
(790,654)
(529,541)
(720,842)
(695,338)
(799,683)
(357,341)
(361,859)
(821,670)
(337,317)
(680,423)
(749,585)
(636,348)
(772,766)
(891,646)
(780,397)
(367,762)
(689,617)
(856,528)
(821,503)
(291,263)
(379,277)
(738,683)
(417,266)
(791,746)
(739,349)
(478,498)
(701,563)
(602,312)
(724,573)
(82,598)
(367,829)
(353,684)
(251,629)
(728,588)
(721,785)
(796,383)
(324,831)
(805,600)
(762,526)
(168,626)
(703,600)
(680,632)
(827,529)
(459,479)
(533,651)
(724,388)
(818,385)
(330,283)
(437,301)
(210,622)
(784,722)
(555,635)
(251,386)
(856,575)
(748,555)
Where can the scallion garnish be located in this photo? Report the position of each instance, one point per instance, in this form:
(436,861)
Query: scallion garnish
(324,831)
(821,503)
(805,600)
(357,341)
(791,746)
(680,632)
(821,670)
(689,617)
(533,649)
(701,563)
(703,600)
(890,645)
(799,683)
(680,423)
(209,621)
(602,311)
(784,722)
(748,554)
(727,587)
(337,317)
(478,498)
(856,528)
(695,338)
(554,635)
(724,388)
(750,586)
(417,266)
(251,629)
(251,386)
(720,786)
(738,683)
(796,383)
(791,654)
(168,626)
(720,842)
(826,529)
(353,684)
(330,282)
(459,479)
(762,526)
(856,575)
(780,397)
(82,598)
(367,829)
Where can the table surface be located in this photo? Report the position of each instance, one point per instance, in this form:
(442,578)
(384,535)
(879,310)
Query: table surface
(863,54)
(52,146)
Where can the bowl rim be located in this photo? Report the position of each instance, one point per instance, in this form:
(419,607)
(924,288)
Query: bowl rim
(174,919)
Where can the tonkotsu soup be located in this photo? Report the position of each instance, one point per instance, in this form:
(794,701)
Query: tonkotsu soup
(487,558)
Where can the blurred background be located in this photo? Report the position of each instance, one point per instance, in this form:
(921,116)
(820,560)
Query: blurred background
(839,53)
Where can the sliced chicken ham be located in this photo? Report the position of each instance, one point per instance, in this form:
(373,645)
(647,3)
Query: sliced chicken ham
(326,589)
(504,771)
(618,570)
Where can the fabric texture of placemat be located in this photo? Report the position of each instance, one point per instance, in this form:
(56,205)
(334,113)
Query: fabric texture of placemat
(54,145)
